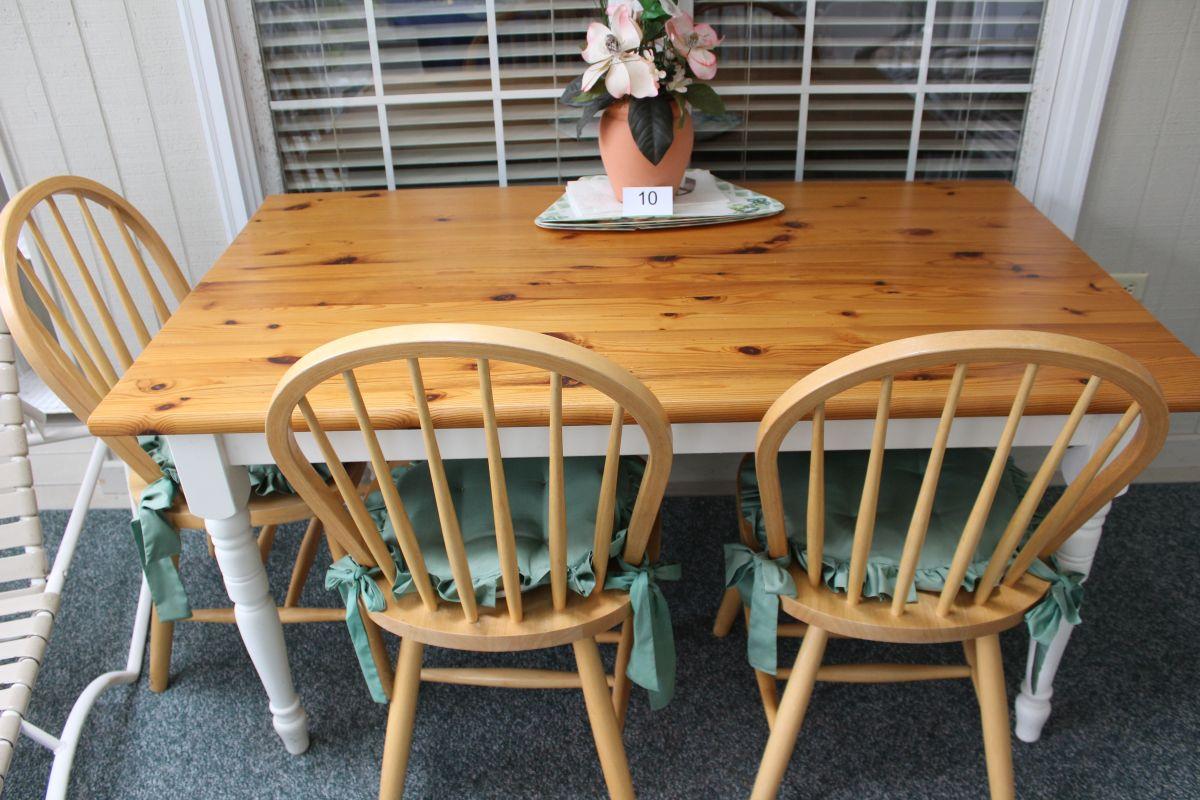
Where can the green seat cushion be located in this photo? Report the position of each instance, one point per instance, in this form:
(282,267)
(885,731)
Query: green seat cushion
(961,477)
(528,496)
(761,580)
(652,656)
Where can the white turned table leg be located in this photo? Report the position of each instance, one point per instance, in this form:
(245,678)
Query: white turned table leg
(219,493)
(1075,555)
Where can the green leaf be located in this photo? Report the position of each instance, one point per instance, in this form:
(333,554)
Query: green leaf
(574,95)
(592,109)
(703,98)
(652,10)
(651,123)
(652,29)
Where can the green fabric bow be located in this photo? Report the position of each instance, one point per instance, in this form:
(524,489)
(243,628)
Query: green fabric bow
(652,659)
(1061,603)
(158,546)
(356,583)
(760,580)
(157,539)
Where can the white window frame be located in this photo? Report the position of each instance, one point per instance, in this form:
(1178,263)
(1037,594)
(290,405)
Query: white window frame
(1078,46)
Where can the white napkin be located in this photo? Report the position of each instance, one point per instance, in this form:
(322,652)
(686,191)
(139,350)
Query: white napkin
(592,197)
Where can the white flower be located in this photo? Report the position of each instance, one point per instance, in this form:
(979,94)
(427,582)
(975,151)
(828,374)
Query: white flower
(679,79)
(612,53)
(633,74)
(635,8)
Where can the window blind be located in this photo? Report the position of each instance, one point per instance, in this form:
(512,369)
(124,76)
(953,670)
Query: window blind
(395,93)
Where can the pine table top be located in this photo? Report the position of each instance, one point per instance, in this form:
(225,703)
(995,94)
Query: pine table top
(718,321)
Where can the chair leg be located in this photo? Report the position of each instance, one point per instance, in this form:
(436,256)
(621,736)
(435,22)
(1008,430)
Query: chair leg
(731,603)
(162,635)
(768,689)
(266,540)
(796,694)
(401,714)
(969,652)
(993,711)
(304,561)
(379,653)
(603,719)
(621,682)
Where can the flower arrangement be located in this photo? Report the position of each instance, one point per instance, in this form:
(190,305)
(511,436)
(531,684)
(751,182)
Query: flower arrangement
(654,54)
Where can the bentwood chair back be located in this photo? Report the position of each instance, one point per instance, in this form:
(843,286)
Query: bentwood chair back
(98,323)
(533,368)
(1006,589)
(103,303)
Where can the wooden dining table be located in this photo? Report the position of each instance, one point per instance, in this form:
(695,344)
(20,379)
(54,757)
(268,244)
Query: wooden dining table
(717,321)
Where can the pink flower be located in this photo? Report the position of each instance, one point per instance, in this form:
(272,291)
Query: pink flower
(612,53)
(694,43)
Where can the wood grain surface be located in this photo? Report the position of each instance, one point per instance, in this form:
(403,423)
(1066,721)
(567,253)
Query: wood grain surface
(717,321)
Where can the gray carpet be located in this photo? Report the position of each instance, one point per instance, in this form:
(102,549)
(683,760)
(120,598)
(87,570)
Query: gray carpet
(1125,722)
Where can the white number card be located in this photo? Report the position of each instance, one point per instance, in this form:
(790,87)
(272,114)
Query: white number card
(647,201)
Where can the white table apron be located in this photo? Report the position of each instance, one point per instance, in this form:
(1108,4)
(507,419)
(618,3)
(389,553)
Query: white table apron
(212,468)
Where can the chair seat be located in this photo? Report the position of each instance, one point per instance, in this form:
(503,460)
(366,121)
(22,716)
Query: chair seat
(872,619)
(903,470)
(527,481)
(275,509)
(495,631)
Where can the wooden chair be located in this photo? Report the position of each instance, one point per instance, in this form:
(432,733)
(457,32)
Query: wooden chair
(543,617)
(1006,589)
(66,350)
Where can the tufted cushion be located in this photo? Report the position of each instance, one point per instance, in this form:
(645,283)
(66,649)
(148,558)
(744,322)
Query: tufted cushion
(528,496)
(903,470)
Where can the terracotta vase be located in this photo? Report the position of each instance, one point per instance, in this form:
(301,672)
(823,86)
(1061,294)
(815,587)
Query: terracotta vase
(625,164)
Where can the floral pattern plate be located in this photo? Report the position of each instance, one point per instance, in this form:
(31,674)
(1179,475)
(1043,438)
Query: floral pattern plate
(742,203)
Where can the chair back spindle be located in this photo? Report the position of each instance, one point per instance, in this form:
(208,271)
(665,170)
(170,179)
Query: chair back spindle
(343,509)
(506,542)
(864,528)
(1119,456)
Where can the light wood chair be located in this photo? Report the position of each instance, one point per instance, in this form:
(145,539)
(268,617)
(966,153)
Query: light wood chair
(1006,590)
(543,617)
(66,350)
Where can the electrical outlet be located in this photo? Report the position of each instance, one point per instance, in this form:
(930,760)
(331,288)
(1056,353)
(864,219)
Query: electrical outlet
(1132,282)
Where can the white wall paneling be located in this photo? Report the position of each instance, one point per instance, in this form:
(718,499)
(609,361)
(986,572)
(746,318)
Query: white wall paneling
(1079,45)
(1141,210)
(102,89)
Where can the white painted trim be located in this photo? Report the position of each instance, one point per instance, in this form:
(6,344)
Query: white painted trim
(914,138)
(1078,48)
(212,58)
(415,98)
(687,438)
(810,24)
(493,38)
(385,131)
